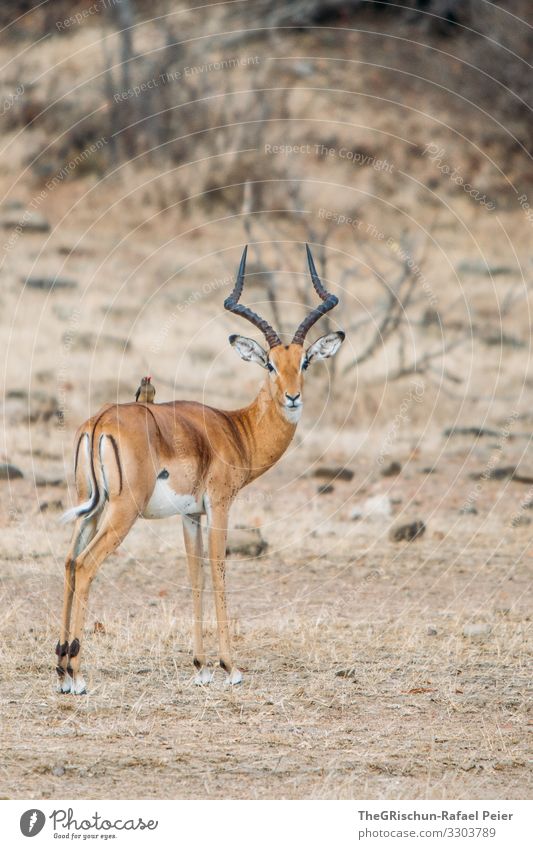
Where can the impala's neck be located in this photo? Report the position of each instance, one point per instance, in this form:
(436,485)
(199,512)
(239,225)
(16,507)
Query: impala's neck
(266,430)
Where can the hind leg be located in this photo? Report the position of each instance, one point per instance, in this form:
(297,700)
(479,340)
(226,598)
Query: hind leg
(115,525)
(84,531)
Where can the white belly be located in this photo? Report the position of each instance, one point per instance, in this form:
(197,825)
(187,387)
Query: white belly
(165,502)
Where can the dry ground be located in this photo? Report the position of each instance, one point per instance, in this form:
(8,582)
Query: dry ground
(359,679)
(346,692)
(412,714)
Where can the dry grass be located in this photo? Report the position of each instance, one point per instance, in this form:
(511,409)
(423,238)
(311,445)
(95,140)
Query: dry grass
(412,714)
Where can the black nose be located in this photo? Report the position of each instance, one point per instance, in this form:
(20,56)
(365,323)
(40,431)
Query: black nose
(292,398)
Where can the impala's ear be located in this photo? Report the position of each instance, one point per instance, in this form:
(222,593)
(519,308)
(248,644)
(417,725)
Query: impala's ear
(326,346)
(249,349)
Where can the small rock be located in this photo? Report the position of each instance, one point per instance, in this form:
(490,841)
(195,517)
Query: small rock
(90,341)
(99,628)
(56,504)
(29,222)
(468,509)
(523,473)
(431,631)
(429,470)
(42,480)
(41,407)
(469,266)
(9,472)
(247,541)
(302,68)
(58,771)
(499,473)
(520,521)
(431,317)
(378,506)
(479,629)
(502,340)
(408,532)
(471,431)
(48,284)
(333,473)
(325,489)
(391,469)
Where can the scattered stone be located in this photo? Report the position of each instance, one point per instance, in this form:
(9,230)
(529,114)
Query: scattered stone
(431,317)
(48,284)
(247,541)
(376,507)
(91,341)
(468,266)
(520,521)
(42,480)
(55,504)
(303,68)
(58,771)
(391,469)
(67,250)
(99,628)
(471,431)
(9,472)
(325,489)
(429,470)
(523,474)
(499,473)
(408,532)
(29,222)
(502,340)
(468,509)
(333,473)
(431,631)
(43,407)
(478,629)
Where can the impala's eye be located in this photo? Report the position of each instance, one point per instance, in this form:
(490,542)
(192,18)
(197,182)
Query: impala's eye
(270,367)
(305,364)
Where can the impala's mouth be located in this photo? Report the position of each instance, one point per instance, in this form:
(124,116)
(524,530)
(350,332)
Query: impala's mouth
(292,411)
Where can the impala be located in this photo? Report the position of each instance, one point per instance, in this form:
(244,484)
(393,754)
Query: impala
(188,459)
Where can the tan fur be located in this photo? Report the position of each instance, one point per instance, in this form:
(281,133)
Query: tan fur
(209,454)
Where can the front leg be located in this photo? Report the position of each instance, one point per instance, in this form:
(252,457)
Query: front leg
(192,534)
(217,529)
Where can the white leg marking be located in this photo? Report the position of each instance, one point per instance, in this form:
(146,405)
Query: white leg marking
(203,676)
(78,686)
(235,676)
(65,684)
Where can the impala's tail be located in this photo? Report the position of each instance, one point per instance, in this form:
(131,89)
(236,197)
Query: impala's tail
(97,491)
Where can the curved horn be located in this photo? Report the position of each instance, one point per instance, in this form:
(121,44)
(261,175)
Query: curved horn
(330,301)
(231,304)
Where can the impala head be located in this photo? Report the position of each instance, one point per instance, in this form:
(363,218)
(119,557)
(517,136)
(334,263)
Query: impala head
(286,364)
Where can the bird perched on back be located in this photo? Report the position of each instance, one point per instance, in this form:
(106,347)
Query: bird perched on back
(146,392)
